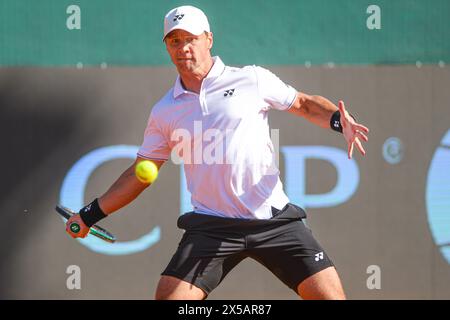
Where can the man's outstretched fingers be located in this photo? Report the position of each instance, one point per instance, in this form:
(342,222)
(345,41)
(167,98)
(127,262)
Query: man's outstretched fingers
(343,114)
(360,147)
(341,107)
(350,150)
(362,136)
(362,128)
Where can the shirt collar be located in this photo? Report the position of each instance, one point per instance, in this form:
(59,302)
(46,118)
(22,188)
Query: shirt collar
(216,70)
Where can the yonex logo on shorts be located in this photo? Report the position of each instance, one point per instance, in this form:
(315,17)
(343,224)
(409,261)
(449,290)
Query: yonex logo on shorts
(318,256)
(228,93)
(178,17)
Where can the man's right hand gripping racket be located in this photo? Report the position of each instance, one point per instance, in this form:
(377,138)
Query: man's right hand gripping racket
(95,230)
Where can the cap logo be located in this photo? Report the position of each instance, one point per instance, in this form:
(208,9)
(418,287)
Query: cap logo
(178,17)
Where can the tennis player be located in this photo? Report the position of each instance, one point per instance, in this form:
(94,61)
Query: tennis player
(239,207)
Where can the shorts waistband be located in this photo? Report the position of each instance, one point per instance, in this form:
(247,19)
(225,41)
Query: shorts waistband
(192,220)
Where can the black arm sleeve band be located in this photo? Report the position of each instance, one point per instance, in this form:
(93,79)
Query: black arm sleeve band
(91,214)
(335,121)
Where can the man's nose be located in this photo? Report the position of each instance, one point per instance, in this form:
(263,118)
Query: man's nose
(184,47)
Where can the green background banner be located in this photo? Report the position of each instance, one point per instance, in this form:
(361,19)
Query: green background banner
(128,33)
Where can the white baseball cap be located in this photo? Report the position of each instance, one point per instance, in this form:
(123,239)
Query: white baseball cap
(188,18)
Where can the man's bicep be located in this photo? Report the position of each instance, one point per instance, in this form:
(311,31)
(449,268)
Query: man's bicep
(299,106)
(158,162)
(155,145)
(273,90)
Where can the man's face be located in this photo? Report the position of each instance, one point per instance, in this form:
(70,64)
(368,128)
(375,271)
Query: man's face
(187,51)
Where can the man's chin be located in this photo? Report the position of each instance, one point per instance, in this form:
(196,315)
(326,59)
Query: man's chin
(185,67)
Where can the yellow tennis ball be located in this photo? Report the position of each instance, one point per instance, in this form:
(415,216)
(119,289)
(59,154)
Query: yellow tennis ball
(146,171)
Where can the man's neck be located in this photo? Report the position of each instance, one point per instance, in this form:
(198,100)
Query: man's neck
(192,81)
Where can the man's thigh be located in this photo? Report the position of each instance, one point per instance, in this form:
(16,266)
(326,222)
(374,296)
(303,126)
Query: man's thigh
(172,288)
(290,252)
(204,259)
(322,285)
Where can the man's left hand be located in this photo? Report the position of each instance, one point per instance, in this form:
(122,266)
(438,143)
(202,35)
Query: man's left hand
(353,132)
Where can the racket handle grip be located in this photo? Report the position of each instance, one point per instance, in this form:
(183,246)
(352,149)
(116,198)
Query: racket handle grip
(75,227)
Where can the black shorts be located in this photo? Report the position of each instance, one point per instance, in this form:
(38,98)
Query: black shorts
(212,246)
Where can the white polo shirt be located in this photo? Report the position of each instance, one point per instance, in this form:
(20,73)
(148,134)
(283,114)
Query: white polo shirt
(222,135)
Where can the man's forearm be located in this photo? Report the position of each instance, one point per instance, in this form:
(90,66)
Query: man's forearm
(320,110)
(315,109)
(122,192)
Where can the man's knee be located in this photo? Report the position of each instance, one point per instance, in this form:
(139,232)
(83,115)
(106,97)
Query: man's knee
(324,285)
(171,288)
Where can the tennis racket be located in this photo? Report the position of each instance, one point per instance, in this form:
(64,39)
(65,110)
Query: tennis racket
(95,230)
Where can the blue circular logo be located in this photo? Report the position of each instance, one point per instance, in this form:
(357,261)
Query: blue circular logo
(438,197)
(393,150)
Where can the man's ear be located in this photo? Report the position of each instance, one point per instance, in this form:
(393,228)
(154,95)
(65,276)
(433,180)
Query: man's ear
(211,40)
